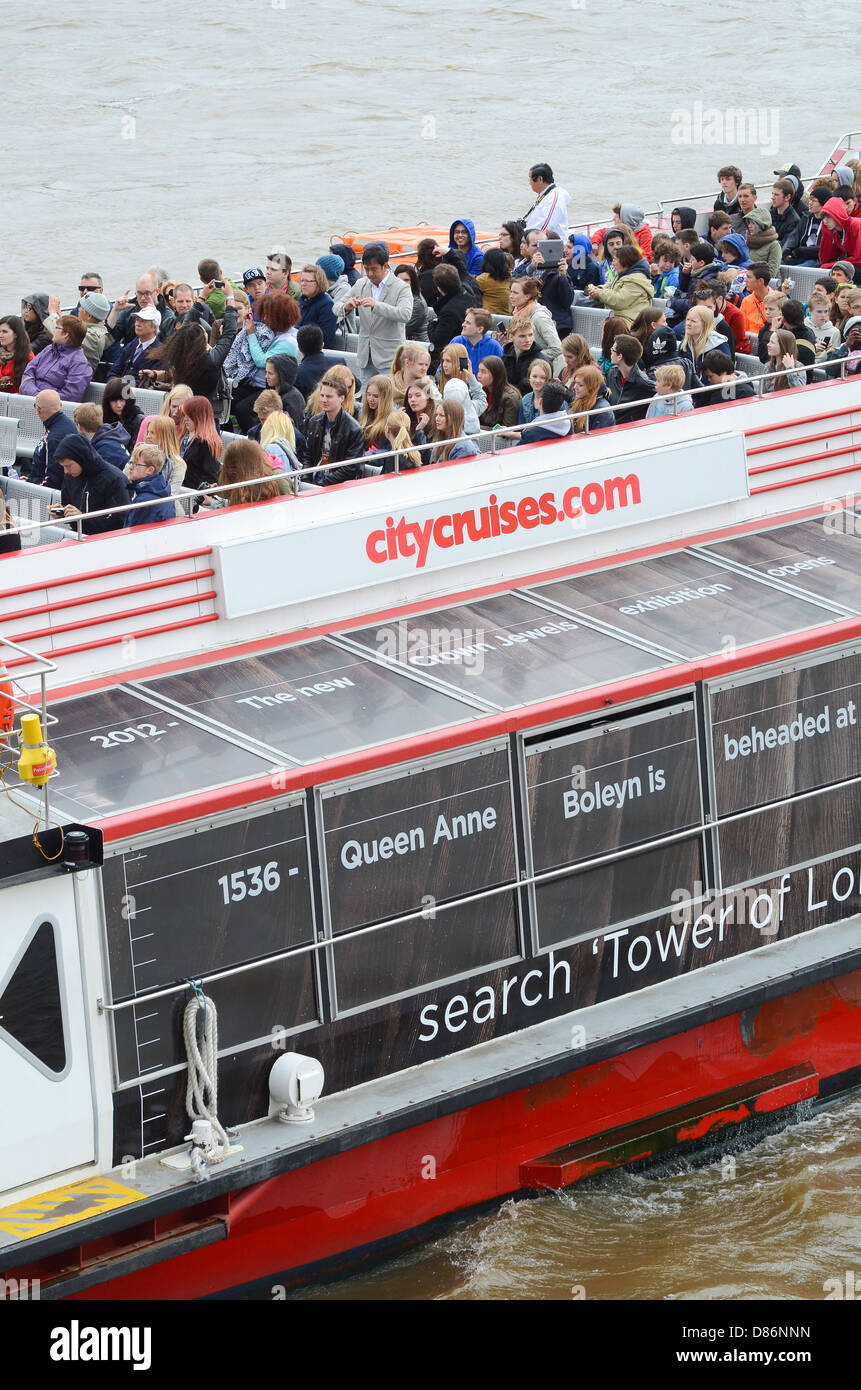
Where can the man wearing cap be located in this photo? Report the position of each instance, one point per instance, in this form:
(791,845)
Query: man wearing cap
(141,354)
(338,285)
(254,284)
(810,231)
(92,309)
(278,268)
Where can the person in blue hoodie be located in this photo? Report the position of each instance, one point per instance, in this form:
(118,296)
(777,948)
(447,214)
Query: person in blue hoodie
(734,252)
(582,267)
(148,483)
(111,441)
(461,237)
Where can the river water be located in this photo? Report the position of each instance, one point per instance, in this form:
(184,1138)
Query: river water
(775,1221)
(156,134)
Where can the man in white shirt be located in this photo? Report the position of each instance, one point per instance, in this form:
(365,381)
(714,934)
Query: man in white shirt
(549,212)
(384,306)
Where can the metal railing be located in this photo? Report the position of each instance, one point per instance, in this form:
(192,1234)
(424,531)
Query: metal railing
(44,666)
(493,437)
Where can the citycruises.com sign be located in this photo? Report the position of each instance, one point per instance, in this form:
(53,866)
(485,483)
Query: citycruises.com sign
(475,523)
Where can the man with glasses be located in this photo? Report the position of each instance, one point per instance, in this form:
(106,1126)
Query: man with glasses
(121,319)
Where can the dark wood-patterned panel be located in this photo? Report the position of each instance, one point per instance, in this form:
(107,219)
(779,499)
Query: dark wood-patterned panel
(787,733)
(629,782)
(195,904)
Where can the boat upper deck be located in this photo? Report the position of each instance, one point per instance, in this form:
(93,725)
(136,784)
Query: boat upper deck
(245,723)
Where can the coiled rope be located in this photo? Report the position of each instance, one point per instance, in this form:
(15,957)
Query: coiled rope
(200,1034)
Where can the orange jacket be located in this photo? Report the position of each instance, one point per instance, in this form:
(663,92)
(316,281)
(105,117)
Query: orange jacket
(753,310)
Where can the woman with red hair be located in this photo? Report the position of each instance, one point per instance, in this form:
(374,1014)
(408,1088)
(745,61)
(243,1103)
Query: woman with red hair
(202,447)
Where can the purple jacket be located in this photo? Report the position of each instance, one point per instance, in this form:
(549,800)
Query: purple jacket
(60,367)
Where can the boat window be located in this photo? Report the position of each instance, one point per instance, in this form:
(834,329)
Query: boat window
(687,604)
(31,1009)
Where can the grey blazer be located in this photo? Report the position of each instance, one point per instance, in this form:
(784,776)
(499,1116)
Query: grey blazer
(382,329)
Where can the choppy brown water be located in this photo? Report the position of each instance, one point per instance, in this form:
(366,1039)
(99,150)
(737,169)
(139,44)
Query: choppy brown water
(158,133)
(785,1222)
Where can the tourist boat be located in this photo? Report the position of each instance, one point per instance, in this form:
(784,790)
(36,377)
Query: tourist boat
(448,836)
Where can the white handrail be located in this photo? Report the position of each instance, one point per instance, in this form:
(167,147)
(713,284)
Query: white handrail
(590,416)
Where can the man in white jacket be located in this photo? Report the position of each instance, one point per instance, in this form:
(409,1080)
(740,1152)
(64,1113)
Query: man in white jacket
(384,306)
(549,212)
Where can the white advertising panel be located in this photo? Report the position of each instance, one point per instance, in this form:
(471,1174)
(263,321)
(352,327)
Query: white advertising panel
(475,523)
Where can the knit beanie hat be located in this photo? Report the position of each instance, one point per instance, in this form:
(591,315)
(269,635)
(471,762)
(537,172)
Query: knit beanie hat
(821,193)
(333,266)
(847,267)
(96,304)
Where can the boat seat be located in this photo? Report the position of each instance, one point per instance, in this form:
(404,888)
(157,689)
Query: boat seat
(94,392)
(589,323)
(8,440)
(804,278)
(350,358)
(30,427)
(29,503)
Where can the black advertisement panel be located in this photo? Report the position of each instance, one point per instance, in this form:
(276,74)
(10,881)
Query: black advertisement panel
(786,733)
(196,904)
(423,836)
(452,1017)
(794,833)
(116,751)
(262,1002)
(312,700)
(507,651)
(636,886)
(451,941)
(822,555)
(411,842)
(685,604)
(593,792)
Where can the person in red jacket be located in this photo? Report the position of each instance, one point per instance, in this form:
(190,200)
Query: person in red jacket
(711,294)
(15,352)
(841,235)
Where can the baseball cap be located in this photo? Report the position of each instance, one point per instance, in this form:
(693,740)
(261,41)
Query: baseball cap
(255,273)
(149,313)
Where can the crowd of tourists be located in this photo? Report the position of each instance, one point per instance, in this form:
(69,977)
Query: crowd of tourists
(253,355)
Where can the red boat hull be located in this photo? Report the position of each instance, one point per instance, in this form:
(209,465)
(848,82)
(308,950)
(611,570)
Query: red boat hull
(339,1210)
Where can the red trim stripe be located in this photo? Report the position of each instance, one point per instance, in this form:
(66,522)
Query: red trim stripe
(119,637)
(105,573)
(106,594)
(102,618)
